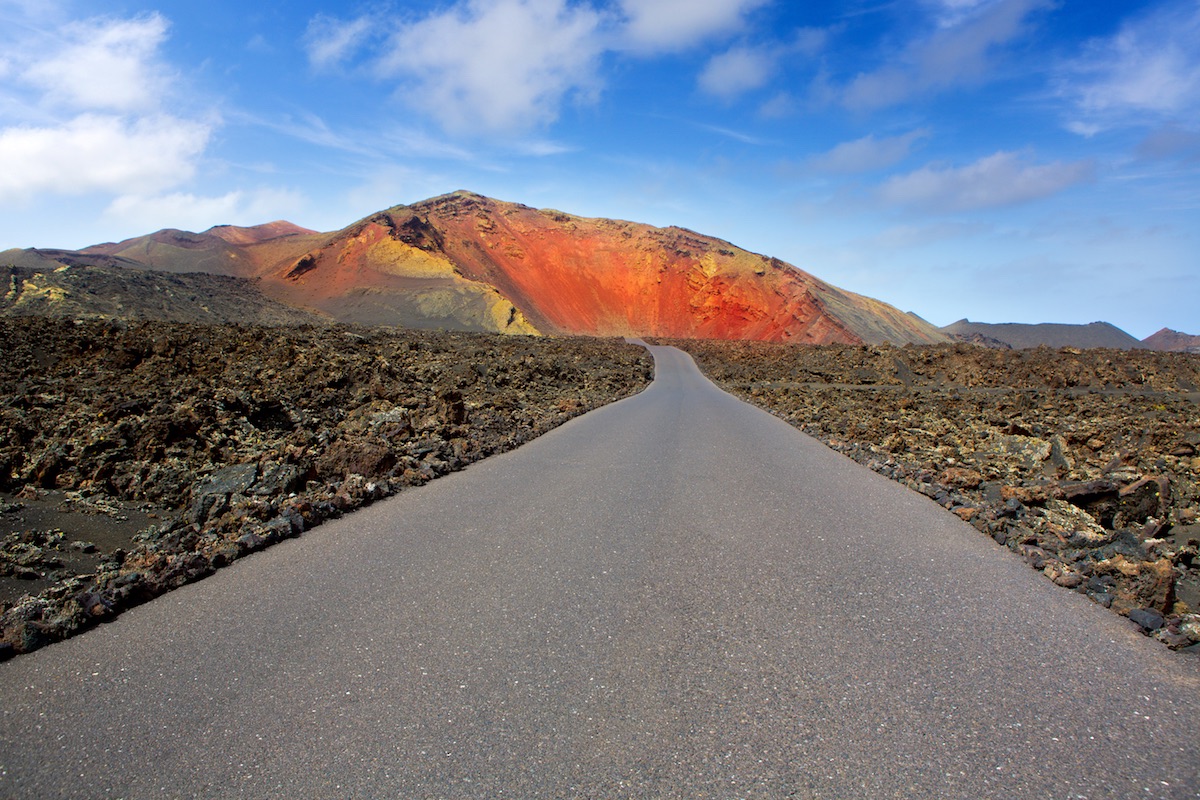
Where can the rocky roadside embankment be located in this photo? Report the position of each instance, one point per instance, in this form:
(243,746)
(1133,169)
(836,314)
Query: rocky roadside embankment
(225,439)
(1084,463)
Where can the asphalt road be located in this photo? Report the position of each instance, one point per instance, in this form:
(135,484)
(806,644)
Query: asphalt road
(674,596)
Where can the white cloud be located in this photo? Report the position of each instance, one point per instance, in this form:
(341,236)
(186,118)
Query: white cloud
(85,105)
(259,44)
(744,68)
(1085,129)
(953,55)
(658,25)
(903,237)
(95,152)
(1150,67)
(329,41)
(780,105)
(810,41)
(952,12)
(540,148)
(1170,142)
(866,154)
(29,11)
(507,66)
(108,65)
(1001,179)
(737,71)
(503,65)
(150,212)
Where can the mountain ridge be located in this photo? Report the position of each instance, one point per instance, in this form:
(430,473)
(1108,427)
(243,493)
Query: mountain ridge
(464,261)
(1020,336)
(1173,341)
(469,262)
(566,274)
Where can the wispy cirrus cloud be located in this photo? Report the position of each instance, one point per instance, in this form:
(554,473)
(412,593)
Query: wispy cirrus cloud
(961,50)
(15,13)
(897,237)
(735,135)
(867,154)
(1147,72)
(329,41)
(190,211)
(998,180)
(1171,142)
(949,13)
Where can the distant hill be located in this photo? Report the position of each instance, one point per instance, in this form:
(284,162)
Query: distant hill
(1021,336)
(222,250)
(44,259)
(1173,341)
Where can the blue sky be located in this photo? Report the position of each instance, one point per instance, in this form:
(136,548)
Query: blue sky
(1002,160)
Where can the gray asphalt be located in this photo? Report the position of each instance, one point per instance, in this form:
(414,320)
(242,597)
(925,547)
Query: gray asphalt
(677,595)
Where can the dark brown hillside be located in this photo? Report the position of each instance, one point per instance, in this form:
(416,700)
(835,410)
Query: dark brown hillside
(119,292)
(136,457)
(223,250)
(1022,336)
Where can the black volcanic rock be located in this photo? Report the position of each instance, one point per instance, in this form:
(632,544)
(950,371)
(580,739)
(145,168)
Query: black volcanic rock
(223,439)
(66,287)
(1081,462)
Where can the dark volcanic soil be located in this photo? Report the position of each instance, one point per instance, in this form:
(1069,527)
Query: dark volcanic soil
(136,457)
(1084,463)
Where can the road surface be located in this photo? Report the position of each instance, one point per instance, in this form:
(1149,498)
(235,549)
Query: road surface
(675,596)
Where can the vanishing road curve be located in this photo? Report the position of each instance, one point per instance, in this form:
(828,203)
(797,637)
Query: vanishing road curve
(675,596)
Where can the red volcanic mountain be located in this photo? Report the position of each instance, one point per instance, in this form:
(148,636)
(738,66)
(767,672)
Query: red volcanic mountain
(1173,341)
(522,269)
(470,262)
(569,274)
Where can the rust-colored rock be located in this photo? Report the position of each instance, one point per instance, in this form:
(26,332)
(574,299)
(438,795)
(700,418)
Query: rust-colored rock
(1173,341)
(961,477)
(466,262)
(572,274)
(1151,584)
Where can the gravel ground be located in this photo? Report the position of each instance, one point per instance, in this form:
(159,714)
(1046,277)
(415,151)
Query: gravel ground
(136,457)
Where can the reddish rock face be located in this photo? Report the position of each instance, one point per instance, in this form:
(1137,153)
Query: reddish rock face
(1173,341)
(257,234)
(469,262)
(602,277)
(223,250)
(605,277)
